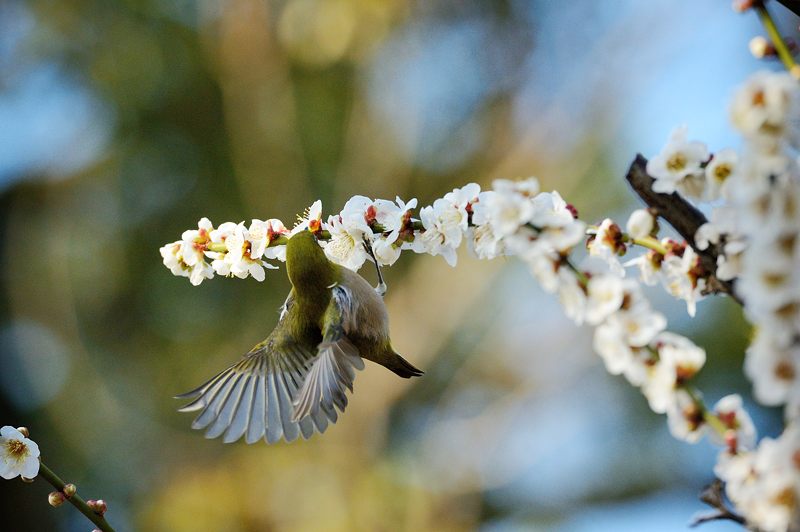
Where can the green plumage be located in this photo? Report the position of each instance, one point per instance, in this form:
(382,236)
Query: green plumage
(294,381)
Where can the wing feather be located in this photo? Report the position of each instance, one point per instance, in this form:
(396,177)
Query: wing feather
(254,398)
(333,370)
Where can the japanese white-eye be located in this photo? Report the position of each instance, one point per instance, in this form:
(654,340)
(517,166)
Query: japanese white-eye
(293,382)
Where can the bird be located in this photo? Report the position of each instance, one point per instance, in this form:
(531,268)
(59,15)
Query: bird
(293,382)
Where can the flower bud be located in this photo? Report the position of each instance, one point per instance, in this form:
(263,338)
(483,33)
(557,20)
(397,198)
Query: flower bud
(25,479)
(24,431)
(69,490)
(98,506)
(641,223)
(760,47)
(56,499)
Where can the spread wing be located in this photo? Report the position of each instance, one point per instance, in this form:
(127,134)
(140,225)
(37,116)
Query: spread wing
(333,369)
(254,397)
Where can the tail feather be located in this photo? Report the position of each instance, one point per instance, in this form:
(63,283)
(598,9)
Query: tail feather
(403,367)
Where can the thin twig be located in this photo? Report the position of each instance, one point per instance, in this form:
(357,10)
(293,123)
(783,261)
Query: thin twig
(712,495)
(776,38)
(684,217)
(76,500)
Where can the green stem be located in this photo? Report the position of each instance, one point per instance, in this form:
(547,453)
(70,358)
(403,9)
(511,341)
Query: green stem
(582,278)
(76,500)
(708,416)
(219,247)
(649,242)
(777,40)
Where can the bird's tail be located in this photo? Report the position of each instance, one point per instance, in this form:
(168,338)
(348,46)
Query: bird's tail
(402,367)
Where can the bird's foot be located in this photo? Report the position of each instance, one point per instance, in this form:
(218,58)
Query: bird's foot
(381,288)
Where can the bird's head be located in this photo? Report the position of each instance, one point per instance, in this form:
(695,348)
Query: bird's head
(308,268)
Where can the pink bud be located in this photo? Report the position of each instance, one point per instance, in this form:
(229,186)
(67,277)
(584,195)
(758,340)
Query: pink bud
(56,499)
(98,506)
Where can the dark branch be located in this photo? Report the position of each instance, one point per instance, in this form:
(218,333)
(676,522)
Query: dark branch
(712,495)
(681,215)
(791,5)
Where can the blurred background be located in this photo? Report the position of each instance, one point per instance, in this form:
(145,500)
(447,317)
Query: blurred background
(122,123)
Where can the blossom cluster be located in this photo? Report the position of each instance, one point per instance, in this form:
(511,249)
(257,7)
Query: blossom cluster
(754,223)
(232,249)
(755,227)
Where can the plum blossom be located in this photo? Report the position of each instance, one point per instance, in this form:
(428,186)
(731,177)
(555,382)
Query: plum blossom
(718,172)
(345,247)
(740,433)
(679,166)
(607,244)
(311,220)
(762,107)
(605,294)
(19,456)
(261,234)
(681,277)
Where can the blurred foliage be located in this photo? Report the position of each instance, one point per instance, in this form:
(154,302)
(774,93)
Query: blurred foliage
(127,121)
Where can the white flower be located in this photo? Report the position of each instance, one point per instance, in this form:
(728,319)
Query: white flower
(680,277)
(679,360)
(448,216)
(173,259)
(356,216)
(763,485)
(604,297)
(763,107)
(719,171)
(563,238)
(571,295)
(638,323)
(345,248)
(507,207)
(445,223)
(681,354)
(677,164)
(311,219)
(609,342)
(706,234)
(393,216)
(608,246)
(434,241)
(741,433)
(19,456)
(386,251)
(641,223)
(649,265)
(773,368)
(236,261)
(193,250)
(194,242)
(261,234)
(544,267)
(186,257)
(550,210)
(685,418)
(484,243)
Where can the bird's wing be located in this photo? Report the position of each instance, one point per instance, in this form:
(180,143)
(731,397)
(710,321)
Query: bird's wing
(333,368)
(253,398)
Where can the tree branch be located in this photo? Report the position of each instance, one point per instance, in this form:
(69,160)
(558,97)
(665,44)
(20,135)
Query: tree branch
(712,496)
(681,215)
(791,5)
(76,500)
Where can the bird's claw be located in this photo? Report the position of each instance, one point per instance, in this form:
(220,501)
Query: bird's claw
(381,288)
